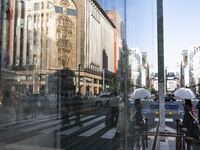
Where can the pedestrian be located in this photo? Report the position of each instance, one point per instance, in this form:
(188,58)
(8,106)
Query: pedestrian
(65,112)
(43,100)
(136,118)
(123,122)
(190,122)
(77,105)
(34,107)
(6,107)
(114,103)
(198,107)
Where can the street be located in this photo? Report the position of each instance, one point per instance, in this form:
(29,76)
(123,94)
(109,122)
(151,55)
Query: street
(46,131)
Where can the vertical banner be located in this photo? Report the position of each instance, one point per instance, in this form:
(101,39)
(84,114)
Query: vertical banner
(10,29)
(115,51)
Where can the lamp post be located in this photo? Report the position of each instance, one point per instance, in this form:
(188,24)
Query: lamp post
(18,80)
(104,79)
(79,68)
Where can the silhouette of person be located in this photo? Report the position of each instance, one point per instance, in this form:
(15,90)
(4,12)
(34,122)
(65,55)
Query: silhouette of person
(77,105)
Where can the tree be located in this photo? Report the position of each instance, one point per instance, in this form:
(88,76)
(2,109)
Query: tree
(123,86)
(113,81)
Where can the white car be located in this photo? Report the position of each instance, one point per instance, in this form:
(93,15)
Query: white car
(100,100)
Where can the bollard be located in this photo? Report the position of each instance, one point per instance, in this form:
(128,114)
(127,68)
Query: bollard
(177,139)
(189,141)
(180,141)
(143,143)
(137,128)
(146,119)
(184,130)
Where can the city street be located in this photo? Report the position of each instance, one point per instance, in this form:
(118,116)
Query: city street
(47,132)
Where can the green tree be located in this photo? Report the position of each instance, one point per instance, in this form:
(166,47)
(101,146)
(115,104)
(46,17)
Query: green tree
(113,81)
(123,86)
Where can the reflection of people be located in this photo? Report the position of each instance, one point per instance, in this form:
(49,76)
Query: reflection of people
(65,112)
(6,106)
(77,105)
(122,121)
(34,107)
(136,118)
(114,103)
(189,121)
(198,107)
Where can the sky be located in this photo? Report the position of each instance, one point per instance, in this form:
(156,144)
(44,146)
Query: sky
(181,26)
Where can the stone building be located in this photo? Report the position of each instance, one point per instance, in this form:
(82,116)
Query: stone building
(60,36)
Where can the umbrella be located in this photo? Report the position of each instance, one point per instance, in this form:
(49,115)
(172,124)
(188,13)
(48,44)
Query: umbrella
(184,93)
(140,93)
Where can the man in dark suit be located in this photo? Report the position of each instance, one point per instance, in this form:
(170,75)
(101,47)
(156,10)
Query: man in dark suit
(77,105)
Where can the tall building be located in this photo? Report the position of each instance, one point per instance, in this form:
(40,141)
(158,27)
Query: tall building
(55,38)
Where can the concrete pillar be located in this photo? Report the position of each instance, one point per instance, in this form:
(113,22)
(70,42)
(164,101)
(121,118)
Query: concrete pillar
(161,66)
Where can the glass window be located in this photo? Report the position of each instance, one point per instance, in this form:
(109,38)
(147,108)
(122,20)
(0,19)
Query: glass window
(36,6)
(96,81)
(41,77)
(58,9)
(70,78)
(100,81)
(29,77)
(34,18)
(88,79)
(81,79)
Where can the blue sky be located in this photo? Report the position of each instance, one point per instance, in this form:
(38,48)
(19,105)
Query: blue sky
(181,26)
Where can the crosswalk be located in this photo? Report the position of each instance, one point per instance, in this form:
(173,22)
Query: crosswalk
(50,123)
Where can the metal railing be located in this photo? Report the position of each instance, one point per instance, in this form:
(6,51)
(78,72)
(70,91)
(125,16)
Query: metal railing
(180,137)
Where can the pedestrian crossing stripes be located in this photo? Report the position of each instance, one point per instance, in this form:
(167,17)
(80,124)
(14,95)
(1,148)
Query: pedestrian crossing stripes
(110,134)
(74,129)
(59,126)
(166,119)
(26,147)
(49,124)
(93,130)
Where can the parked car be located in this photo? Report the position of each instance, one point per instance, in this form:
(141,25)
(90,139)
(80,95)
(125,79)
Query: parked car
(168,97)
(100,100)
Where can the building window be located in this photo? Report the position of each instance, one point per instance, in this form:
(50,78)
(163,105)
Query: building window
(70,78)
(42,17)
(47,31)
(101,82)
(81,79)
(41,77)
(36,6)
(29,78)
(42,5)
(88,80)
(95,81)
(34,18)
(35,36)
(47,17)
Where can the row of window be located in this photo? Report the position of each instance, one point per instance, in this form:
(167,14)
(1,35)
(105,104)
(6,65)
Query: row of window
(42,17)
(42,77)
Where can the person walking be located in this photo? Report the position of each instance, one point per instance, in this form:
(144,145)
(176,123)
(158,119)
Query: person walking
(198,107)
(6,107)
(190,122)
(114,103)
(77,105)
(65,112)
(123,122)
(136,118)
